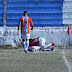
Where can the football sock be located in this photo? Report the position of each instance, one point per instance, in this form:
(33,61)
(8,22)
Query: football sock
(23,43)
(27,44)
(47,49)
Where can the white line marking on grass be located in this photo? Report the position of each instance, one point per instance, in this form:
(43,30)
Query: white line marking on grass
(66,61)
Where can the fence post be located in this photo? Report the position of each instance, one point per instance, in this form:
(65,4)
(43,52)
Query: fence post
(4,12)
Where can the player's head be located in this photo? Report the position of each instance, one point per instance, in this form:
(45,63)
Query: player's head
(25,13)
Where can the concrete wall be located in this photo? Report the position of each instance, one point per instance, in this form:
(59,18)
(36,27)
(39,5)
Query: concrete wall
(67,12)
(58,35)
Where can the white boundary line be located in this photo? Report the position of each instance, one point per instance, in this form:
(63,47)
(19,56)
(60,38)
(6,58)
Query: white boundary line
(64,57)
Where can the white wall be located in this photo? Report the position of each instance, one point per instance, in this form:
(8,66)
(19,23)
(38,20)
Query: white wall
(57,35)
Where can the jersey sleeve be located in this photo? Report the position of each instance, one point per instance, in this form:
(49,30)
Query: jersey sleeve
(30,20)
(21,19)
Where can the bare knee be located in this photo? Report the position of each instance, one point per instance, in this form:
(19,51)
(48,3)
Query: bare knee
(27,39)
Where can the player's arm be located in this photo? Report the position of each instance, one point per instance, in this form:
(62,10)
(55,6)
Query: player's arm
(31,24)
(19,27)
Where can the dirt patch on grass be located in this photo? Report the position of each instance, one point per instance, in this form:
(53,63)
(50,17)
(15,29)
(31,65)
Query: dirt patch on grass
(9,47)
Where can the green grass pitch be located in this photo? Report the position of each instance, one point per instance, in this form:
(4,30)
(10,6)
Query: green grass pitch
(15,60)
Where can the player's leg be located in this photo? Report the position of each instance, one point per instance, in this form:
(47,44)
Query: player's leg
(20,40)
(24,43)
(23,37)
(48,49)
(48,45)
(27,43)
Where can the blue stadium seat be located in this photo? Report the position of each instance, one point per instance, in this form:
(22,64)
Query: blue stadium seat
(37,21)
(34,4)
(1,9)
(34,0)
(37,25)
(1,22)
(0,4)
(42,12)
(34,9)
(36,15)
(0,0)
(1,12)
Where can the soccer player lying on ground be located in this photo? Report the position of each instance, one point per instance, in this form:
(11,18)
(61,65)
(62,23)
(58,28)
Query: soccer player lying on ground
(24,24)
(39,44)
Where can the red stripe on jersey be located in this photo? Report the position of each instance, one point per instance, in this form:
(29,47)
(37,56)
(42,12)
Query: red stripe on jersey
(31,42)
(29,21)
(35,43)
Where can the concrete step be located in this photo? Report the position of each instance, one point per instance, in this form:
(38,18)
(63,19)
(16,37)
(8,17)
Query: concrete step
(67,21)
(67,9)
(67,12)
(67,3)
(67,0)
(67,15)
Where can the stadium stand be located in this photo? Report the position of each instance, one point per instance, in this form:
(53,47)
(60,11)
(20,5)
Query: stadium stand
(42,12)
(1,12)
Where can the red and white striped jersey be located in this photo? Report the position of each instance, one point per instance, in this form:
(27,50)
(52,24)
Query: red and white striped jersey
(25,24)
(37,41)
(34,42)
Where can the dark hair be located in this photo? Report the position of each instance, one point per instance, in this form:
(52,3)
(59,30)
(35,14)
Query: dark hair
(30,40)
(25,12)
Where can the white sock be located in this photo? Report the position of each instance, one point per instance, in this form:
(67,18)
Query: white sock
(47,49)
(27,44)
(23,43)
(46,46)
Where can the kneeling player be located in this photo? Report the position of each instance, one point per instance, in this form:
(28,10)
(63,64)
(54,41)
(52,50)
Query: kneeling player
(39,44)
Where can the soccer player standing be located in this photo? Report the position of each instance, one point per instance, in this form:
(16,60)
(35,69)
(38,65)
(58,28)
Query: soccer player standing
(24,24)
